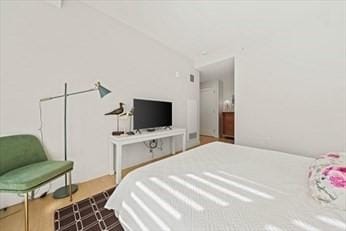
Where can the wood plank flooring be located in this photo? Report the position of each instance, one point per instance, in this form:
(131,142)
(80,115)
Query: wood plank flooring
(209,139)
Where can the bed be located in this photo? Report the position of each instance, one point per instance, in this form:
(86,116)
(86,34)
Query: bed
(221,186)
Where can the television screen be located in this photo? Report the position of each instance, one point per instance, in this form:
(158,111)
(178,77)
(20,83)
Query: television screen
(151,114)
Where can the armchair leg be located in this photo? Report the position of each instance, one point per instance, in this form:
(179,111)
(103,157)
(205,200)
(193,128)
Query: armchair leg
(70,185)
(26,211)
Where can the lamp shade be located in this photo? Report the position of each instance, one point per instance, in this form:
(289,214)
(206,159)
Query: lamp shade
(102,90)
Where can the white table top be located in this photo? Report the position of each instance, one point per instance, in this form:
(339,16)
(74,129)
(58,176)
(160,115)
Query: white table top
(145,135)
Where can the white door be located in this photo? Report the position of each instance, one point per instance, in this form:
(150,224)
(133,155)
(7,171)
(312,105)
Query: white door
(209,115)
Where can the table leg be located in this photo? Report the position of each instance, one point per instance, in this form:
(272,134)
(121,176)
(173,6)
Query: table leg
(184,142)
(118,164)
(173,144)
(111,159)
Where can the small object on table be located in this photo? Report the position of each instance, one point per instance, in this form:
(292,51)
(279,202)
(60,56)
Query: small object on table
(129,114)
(117,112)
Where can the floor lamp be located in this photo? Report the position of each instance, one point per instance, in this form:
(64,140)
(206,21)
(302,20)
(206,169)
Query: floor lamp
(64,191)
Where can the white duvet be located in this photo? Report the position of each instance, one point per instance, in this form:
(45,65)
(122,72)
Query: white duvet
(220,186)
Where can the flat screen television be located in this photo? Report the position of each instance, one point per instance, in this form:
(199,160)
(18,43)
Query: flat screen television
(151,114)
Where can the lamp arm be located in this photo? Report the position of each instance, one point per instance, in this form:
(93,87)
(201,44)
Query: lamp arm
(69,94)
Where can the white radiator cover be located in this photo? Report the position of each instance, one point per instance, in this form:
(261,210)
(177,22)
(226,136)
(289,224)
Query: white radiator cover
(192,122)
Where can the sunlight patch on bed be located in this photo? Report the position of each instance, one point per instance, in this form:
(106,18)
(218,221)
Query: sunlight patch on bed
(304,226)
(251,181)
(159,200)
(272,228)
(240,186)
(157,220)
(124,224)
(332,221)
(219,188)
(199,191)
(134,216)
(177,194)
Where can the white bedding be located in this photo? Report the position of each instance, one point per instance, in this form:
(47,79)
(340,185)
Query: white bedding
(220,186)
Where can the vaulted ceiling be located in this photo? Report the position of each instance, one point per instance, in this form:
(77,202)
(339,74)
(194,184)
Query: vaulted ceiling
(206,31)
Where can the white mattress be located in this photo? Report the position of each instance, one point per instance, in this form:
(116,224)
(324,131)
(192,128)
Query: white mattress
(221,186)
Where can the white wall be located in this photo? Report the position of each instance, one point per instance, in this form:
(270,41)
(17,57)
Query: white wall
(291,89)
(43,46)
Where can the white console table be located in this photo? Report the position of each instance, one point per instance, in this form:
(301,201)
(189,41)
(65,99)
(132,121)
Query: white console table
(117,142)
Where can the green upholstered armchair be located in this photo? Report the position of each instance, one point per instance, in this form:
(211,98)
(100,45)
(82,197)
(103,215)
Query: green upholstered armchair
(24,167)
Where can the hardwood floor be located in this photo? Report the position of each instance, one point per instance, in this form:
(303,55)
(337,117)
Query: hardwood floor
(42,209)
(209,139)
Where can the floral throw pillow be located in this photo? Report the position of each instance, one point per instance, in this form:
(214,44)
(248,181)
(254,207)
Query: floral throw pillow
(327,179)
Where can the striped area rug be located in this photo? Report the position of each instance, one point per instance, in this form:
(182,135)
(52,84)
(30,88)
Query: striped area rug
(87,215)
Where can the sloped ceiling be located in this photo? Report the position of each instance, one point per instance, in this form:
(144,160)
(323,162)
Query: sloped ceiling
(219,28)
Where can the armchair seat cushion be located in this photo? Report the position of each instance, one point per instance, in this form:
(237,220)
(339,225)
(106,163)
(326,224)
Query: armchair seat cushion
(31,176)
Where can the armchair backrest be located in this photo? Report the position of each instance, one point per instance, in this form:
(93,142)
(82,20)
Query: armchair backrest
(19,150)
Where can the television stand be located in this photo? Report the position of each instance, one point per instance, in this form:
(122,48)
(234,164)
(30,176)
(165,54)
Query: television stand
(151,129)
(116,144)
(138,131)
(168,128)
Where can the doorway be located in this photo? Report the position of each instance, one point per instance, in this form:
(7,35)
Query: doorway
(217,101)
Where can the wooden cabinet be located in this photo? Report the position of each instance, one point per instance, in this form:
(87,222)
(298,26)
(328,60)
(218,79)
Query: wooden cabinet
(228,125)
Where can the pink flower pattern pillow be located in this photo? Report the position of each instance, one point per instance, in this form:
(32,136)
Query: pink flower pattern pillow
(327,179)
